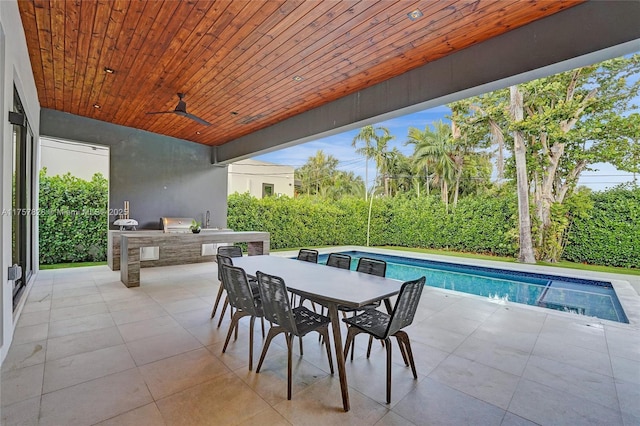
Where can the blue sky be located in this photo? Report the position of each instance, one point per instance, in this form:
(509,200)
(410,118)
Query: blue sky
(603,176)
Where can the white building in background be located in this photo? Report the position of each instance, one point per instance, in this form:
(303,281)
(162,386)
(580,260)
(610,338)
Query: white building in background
(80,159)
(260,178)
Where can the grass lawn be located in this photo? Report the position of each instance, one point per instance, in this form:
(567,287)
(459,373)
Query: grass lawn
(71,265)
(561,264)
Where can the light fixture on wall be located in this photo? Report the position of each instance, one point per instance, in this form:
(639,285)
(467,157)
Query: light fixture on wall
(109,70)
(97,106)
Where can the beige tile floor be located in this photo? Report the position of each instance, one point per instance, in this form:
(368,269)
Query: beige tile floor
(89,351)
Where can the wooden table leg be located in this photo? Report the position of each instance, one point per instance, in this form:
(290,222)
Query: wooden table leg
(337,341)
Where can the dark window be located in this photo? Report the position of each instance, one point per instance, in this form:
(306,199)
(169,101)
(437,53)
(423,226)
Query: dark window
(267,190)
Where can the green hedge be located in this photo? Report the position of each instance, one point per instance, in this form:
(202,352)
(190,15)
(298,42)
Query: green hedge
(609,234)
(73,222)
(479,224)
(72,218)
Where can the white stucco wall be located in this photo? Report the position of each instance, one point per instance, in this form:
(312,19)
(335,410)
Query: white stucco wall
(15,69)
(250,175)
(80,159)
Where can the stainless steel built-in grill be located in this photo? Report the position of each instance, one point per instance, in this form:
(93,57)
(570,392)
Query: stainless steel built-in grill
(176,224)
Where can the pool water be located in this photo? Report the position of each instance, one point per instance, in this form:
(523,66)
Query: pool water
(577,295)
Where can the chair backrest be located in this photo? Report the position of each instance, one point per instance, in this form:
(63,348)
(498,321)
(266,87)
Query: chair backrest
(275,301)
(339,260)
(406,305)
(372,266)
(308,255)
(238,290)
(222,260)
(231,251)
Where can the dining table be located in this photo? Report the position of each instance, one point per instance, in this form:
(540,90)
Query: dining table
(331,287)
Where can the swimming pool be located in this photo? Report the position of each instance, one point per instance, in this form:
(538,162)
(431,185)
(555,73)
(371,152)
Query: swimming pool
(577,295)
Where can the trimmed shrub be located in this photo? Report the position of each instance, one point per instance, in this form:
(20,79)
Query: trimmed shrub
(478,224)
(609,234)
(72,218)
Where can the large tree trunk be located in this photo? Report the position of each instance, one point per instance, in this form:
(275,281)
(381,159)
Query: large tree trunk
(498,138)
(526,244)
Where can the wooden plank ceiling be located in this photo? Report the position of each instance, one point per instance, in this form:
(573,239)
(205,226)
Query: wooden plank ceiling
(243,65)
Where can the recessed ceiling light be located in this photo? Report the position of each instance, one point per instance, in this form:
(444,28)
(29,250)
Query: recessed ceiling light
(234,112)
(109,70)
(97,106)
(416,14)
(197,133)
(298,78)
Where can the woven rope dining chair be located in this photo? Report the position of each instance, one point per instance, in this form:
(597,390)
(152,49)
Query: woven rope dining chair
(339,260)
(335,260)
(253,284)
(229,251)
(308,255)
(371,266)
(292,322)
(382,326)
(243,300)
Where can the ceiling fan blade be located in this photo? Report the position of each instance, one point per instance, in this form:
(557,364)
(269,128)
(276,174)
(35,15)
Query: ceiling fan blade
(198,119)
(193,117)
(181,109)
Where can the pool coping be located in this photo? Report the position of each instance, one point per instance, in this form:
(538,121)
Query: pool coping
(622,284)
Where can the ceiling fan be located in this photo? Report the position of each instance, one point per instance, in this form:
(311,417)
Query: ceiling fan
(181,109)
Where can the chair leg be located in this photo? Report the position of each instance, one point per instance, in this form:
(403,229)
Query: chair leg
(301,351)
(351,333)
(232,326)
(370,343)
(402,349)
(324,332)
(253,320)
(217,302)
(321,313)
(224,309)
(273,331)
(289,337)
(262,321)
(388,347)
(236,336)
(407,344)
(369,347)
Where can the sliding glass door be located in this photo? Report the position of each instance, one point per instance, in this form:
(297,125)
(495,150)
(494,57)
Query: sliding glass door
(23,212)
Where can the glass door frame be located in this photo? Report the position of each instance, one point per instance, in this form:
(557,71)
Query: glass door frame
(23,223)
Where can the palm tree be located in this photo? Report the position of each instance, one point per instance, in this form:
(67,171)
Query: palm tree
(418,137)
(368,134)
(397,172)
(317,172)
(436,148)
(380,155)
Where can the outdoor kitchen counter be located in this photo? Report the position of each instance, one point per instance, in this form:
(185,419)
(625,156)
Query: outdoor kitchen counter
(180,248)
